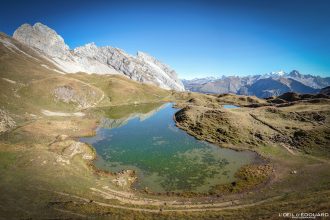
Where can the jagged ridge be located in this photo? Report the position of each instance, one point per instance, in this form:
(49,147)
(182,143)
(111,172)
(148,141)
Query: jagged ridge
(100,60)
(265,85)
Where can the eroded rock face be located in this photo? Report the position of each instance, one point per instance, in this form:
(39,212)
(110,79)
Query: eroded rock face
(67,149)
(170,75)
(82,100)
(125,178)
(65,94)
(101,60)
(6,122)
(43,38)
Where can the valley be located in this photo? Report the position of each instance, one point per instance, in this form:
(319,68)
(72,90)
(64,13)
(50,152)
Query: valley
(55,129)
(43,158)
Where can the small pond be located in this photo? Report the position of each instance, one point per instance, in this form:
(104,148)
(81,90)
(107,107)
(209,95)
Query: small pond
(144,138)
(230,106)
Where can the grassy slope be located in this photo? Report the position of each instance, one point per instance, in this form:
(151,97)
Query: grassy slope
(303,126)
(119,90)
(24,150)
(30,171)
(35,85)
(267,133)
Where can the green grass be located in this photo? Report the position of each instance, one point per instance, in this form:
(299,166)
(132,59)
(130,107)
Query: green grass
(28,184)
(248,177)
(6,159)
(122,91)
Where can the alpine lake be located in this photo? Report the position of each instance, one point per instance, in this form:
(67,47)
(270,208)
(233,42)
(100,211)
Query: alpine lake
(144,138)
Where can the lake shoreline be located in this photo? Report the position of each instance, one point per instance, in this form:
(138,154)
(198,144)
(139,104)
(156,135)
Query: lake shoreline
(258,159)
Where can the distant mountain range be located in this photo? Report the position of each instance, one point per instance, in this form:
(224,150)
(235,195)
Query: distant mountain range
(266,85)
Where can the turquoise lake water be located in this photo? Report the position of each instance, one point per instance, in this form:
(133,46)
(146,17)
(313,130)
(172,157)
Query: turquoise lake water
(231,106)
(165,158)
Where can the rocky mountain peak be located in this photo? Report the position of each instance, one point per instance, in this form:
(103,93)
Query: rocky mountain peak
(146,57)
(91,45)
(88,49)
(100,60)
(43,38)
(160,67)
(294,73)
(274,74)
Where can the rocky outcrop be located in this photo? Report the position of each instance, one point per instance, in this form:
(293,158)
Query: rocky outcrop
(125,178)
(42,38)
(67,149)
(6,122)
(100,60)
(67,94)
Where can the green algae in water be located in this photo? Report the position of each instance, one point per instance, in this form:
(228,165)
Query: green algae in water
(165,157)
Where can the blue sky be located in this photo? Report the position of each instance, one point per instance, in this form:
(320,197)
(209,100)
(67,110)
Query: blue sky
(196,38)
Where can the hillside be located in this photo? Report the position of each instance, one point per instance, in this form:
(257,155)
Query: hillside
(31,84)
(325,90)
